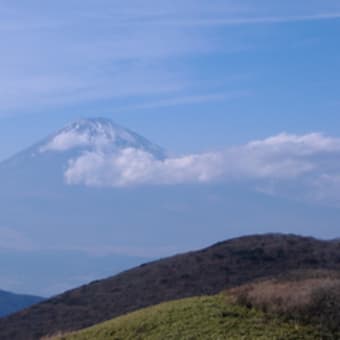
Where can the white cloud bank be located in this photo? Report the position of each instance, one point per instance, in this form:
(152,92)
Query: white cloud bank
(284,157)
(132,166)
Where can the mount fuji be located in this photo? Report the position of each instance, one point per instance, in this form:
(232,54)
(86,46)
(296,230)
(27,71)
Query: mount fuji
(60,227)
(42,165)
(47,227)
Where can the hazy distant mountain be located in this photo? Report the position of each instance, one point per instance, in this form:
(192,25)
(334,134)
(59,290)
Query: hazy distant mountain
(48,227)
(44,163)
(86,135)
(11,303)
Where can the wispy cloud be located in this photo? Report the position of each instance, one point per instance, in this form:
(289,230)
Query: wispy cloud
(187,100)
(63,64)
(71,52)
(255,21)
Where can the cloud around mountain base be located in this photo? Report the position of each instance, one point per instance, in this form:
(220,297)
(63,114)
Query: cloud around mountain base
(310,160)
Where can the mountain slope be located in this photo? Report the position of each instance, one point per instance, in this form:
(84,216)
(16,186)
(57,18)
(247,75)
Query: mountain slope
(205,318)
(86,135)
(11,303)
(208,271)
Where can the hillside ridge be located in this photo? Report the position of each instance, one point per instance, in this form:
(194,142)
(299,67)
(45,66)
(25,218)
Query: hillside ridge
(203,272)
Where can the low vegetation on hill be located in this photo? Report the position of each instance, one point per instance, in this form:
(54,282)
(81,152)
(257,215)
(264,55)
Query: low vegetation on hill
(297,305)
(196,318)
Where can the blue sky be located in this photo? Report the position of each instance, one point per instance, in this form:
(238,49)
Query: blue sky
(189,75)
(243,94)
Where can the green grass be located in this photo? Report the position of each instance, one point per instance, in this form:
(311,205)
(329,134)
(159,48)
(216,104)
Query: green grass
(196,318)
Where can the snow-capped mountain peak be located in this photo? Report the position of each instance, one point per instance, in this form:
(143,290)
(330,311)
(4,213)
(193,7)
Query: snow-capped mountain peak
(97,133)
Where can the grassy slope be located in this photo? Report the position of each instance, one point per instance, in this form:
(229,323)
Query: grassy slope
(195,318)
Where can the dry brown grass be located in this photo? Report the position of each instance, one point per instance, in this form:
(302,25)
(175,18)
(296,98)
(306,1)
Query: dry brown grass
(307,296)
(283,297)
